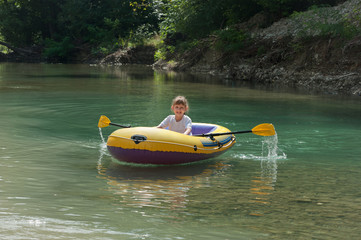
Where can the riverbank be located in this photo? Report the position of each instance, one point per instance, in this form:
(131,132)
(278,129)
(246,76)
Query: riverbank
(289,53)
(320,66)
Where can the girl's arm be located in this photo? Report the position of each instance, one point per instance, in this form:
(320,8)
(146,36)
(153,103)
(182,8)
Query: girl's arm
(188,125)
(188,131)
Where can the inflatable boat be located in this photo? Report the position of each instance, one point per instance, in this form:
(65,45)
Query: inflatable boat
(152,145)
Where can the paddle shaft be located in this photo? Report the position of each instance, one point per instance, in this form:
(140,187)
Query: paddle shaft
(118,125)
(220,134)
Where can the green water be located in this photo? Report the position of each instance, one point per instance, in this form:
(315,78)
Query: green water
(57,180)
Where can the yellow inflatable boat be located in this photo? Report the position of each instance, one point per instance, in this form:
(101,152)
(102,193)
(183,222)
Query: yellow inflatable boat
(151,145)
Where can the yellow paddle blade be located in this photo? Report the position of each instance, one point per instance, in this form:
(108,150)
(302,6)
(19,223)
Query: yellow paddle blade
(264,129)
(103,121)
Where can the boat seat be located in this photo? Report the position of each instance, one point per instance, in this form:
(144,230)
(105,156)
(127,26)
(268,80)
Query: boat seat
(198,129)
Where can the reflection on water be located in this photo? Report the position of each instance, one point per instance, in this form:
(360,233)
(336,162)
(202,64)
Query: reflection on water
(263,185)
(156,186)
(167,187)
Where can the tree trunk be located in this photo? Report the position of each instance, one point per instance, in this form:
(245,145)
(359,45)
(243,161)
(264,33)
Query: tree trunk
(20,51)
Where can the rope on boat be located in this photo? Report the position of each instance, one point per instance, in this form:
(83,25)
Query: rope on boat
(184,145)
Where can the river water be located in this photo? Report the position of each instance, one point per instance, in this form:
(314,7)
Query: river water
(57,180)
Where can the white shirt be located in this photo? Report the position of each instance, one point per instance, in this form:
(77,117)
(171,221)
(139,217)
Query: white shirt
(180,126)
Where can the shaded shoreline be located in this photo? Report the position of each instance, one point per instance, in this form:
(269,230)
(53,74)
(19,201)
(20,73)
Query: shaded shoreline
(283,55)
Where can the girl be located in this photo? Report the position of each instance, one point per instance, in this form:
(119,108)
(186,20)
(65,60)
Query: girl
(179,122)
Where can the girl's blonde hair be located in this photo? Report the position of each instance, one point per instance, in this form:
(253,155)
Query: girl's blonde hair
(180,100)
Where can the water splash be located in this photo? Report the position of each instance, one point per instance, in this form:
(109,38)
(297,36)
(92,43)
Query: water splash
(102,152)
(270,148)
(101,135)
(270,151)
(102,149)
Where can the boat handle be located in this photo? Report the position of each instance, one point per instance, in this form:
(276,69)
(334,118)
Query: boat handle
(138,138)
(220,145)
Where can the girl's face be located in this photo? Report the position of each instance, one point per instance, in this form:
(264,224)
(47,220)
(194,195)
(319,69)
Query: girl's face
(179,110)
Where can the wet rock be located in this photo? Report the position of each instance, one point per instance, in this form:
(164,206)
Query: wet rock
(136,55)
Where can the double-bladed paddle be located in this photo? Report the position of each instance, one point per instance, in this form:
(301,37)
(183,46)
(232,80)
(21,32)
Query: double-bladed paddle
(264,129)
(105,122)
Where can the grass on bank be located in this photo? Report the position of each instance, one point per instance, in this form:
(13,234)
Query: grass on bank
(327,22)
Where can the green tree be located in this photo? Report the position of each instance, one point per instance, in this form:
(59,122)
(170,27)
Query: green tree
(198,18)
(65,25)
(23,23)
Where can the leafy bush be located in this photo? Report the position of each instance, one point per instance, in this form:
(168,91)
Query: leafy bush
(160,54)
(58,51)
(164,52)
(142,34)
(230,40)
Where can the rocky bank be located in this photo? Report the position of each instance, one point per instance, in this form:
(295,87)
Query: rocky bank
(293,52)
(289,53)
